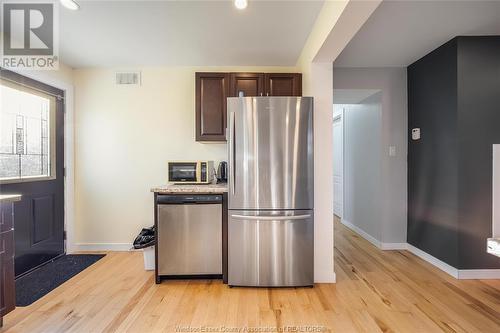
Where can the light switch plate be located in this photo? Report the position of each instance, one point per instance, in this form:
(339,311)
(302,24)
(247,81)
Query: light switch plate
(392,151)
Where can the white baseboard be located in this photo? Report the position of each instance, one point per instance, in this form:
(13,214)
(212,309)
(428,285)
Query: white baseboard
(362,233)
(461,274)
(479,274)
(102,247)
(373,240)
(434,261)
(323,281)
(393,246)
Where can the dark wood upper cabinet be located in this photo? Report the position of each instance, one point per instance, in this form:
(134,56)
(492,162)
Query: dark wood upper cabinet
(211,93)
(283,84)
(212,90)
(251,84)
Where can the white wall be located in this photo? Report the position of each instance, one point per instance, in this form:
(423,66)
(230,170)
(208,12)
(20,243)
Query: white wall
(124,136)
(362,166)
(393,191)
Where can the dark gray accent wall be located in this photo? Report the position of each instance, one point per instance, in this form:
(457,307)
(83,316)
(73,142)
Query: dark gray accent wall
(433,160)
(478,84)
(454,97)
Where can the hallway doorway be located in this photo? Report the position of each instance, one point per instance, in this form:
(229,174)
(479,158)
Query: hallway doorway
(357,149)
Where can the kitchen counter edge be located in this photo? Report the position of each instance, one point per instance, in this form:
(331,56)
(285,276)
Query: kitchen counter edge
(173,188)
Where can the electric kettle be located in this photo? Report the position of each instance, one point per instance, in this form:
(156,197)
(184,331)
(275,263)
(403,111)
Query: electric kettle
(222,172)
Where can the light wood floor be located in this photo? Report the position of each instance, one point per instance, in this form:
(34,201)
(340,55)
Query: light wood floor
(390,291)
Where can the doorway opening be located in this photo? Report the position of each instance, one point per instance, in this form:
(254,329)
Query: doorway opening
(357,148)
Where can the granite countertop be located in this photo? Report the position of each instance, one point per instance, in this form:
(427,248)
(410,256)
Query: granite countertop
(493,246)
(174,188)
(9,197)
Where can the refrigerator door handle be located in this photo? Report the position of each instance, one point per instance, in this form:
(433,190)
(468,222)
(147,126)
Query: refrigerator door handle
(232,149)
(271,218)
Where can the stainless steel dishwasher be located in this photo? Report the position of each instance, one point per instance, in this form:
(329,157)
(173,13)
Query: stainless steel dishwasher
(189,235)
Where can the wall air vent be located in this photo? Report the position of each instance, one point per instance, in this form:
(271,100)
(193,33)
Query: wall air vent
(128,78)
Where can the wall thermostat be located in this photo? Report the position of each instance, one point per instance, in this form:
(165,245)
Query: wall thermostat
(415,134)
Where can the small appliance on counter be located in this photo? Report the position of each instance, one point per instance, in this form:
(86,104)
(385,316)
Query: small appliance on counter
(222,172)
(190,172)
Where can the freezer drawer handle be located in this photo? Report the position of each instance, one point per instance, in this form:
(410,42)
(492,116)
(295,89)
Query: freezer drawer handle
(272,218)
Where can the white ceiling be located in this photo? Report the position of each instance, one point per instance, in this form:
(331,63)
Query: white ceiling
(192,33)
(401,32)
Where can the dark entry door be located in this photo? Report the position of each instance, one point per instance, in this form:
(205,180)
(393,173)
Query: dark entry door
(32,164)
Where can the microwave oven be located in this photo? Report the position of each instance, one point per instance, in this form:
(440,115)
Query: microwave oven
(190,172)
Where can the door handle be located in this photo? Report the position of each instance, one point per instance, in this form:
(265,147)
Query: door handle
(272,218)
(232,149)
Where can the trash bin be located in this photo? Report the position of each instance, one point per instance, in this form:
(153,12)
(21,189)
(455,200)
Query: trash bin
(145,241)
(149,258)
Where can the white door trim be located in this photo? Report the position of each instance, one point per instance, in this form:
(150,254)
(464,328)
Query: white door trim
(496,191)
(339,117)
(69,184)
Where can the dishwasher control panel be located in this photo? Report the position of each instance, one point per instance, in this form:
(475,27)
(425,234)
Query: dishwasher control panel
(175,199)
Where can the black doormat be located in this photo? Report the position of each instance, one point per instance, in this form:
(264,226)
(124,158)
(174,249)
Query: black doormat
(43,280)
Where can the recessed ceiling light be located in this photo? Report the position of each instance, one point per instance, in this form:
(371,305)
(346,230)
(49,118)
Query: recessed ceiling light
(241,4)
(70,4)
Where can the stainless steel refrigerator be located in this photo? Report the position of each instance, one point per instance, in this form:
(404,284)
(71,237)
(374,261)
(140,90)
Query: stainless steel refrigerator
(271,220)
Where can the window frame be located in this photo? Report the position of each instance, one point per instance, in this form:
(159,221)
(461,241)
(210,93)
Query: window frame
(52,132)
